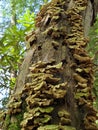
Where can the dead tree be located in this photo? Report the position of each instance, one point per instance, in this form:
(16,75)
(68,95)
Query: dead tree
(54,87)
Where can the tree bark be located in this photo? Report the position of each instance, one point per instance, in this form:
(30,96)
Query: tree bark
(56,93)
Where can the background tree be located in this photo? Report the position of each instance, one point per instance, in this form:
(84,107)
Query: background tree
(60,96)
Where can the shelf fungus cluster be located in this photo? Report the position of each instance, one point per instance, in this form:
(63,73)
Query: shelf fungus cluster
(14,105)
(83,73)
(42,95)
(56,93)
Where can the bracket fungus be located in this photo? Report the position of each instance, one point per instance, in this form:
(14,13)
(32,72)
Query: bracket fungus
(57,92)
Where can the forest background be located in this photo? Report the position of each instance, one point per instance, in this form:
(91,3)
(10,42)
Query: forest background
(17,18)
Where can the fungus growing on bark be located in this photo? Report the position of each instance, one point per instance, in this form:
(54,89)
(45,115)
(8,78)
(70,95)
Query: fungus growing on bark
(56,94)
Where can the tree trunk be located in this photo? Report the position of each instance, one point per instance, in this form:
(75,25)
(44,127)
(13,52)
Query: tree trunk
(54,88)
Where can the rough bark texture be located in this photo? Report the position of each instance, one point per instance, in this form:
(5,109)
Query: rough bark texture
(57,92)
